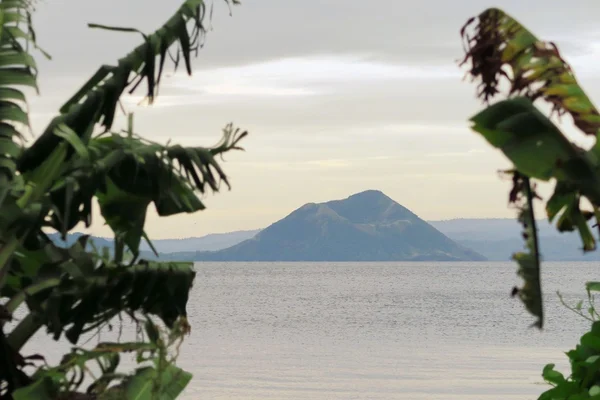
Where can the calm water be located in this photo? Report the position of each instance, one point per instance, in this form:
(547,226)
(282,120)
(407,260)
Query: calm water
(405,331)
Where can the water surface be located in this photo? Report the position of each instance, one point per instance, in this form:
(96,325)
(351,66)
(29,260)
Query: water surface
(375,331)
(405,331)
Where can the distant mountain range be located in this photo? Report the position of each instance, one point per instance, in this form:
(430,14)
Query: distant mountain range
(214,241)
(180,249)
(498,239)
(494,239)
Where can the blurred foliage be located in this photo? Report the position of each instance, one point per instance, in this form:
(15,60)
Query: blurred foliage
(584,379)
(499,50)
(53,183)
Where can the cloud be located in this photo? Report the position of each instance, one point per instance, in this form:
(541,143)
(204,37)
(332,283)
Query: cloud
(467,153)
(585,62)
(333,163)
(42,115)
(580,50)
(425,128)
(343,163)
(297,77)
(309,165)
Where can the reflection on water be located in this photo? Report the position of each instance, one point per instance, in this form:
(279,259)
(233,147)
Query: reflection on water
(405,331)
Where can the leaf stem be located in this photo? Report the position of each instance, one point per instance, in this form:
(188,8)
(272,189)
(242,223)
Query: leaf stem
(534,232)
(20,297)
(24,331)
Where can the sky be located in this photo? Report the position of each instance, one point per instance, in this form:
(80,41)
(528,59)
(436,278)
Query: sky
(338,96)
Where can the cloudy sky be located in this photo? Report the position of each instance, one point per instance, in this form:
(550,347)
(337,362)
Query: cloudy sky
(339,96)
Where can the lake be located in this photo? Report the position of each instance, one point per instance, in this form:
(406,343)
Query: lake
(406,331)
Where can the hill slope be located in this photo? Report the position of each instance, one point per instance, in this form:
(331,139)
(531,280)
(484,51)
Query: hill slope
(367,226)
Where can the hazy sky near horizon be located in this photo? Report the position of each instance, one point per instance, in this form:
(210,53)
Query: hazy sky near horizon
(339,96)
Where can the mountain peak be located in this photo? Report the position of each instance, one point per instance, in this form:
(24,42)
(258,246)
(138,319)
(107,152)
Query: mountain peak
(371,206)
(370,194)
(367,226)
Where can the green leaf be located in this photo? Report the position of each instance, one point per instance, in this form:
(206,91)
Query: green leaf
(591,340)
(7,93)
(148,384)
(140,386)
(42,177)
(501,48)
(13,58)
(152,331)
(563,196)
(9,148)
(17,76)
(125,213)
(177,198)
(589,242)
(592,360)
(39,390)
(174,381)
(150,244)
(114,28)
(592,286)
(12,112)
(1,24)
(160,289)
(86,89)
(565,201)
(528,261)
(12,17)
(7,165)
(73,139)
(551,375)
(184,40)
(519,129)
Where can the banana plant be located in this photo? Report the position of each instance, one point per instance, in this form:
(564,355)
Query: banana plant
(52,184)
(498,49)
